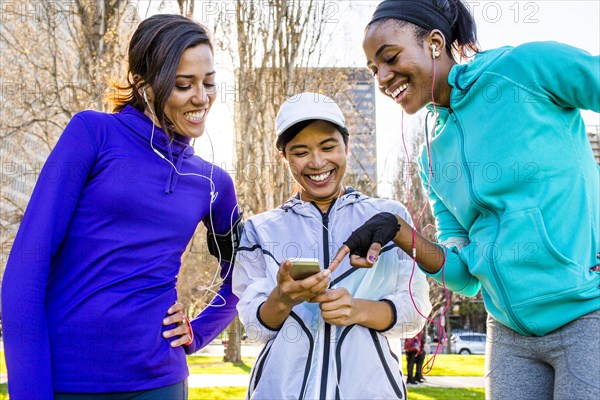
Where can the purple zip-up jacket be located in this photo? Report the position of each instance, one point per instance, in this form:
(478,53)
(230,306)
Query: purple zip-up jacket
(94,265)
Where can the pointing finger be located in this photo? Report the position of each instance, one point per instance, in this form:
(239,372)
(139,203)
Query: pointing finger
(339,257)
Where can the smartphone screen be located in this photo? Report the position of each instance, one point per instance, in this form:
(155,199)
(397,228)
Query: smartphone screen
(302,268)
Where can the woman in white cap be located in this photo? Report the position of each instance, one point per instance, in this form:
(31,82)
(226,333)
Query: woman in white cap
(324,336)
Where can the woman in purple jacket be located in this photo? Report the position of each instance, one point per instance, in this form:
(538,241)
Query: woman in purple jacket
(94,265)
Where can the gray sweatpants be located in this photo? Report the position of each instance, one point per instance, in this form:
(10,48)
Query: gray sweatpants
(563,365)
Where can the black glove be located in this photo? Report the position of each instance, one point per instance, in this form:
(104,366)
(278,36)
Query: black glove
(380,228)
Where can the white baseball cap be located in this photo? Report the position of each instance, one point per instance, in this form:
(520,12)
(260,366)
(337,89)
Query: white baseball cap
(308,106)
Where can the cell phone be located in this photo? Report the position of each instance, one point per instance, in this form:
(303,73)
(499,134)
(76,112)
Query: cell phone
(302,268)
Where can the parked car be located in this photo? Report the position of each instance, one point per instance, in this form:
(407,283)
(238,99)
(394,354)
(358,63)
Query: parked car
(468,343)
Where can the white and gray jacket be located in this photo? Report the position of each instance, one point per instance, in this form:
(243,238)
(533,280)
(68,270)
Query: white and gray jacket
(308,358)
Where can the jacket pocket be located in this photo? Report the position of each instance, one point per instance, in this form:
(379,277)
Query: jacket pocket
(282,373)
(529,264)
(365,366)
(258,368)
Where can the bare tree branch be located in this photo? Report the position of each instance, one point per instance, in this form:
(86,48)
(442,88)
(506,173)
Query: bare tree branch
(63,55)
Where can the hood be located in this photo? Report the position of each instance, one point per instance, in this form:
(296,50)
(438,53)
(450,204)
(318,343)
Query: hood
(461,79)
(174,151)
(463,76)
(309,209)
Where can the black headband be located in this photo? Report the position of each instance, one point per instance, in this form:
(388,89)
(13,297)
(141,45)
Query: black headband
(419,12)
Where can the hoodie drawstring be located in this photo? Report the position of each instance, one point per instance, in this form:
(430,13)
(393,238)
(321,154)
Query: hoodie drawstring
(173,175)
(170,178)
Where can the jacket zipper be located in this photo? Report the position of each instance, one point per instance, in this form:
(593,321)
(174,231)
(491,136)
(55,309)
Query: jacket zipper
(327,333)
(482,206)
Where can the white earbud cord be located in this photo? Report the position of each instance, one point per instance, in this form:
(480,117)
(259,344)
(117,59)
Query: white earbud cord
(213,197)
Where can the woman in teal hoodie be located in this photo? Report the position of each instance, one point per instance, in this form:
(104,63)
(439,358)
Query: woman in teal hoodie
(513,186)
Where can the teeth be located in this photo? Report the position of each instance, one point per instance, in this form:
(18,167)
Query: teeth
(401,89)
(320,177)
(195,116)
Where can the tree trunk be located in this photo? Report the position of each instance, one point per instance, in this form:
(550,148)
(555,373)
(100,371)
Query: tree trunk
(448,334)
(233,348)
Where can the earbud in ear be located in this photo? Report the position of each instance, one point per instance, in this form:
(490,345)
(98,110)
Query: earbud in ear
(434,52)
(144,94)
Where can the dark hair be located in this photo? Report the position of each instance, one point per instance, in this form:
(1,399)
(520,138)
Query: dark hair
(154,53)
(282,140)
(463,32)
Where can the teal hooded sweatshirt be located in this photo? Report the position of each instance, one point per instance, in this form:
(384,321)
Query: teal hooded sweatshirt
(514,186)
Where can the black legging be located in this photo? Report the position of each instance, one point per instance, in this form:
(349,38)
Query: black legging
(413,358)
(178,391)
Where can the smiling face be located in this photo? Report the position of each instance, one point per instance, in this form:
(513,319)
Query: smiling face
(194,92)
(403,65)
(317,160)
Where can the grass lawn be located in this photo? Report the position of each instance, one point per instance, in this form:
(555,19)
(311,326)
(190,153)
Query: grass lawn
(434,393)
(422,393)
(445,365)
(218,393)
(237,392)
(453,365)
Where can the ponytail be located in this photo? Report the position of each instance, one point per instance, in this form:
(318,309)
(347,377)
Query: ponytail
(464,31)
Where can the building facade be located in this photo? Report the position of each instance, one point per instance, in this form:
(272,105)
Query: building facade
(354,91)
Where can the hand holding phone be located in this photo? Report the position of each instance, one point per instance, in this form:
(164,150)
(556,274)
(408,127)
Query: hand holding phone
(302,268)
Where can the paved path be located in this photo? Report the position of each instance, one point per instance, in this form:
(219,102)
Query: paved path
(453,381)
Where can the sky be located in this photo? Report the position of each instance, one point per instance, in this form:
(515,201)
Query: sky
(499,23)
